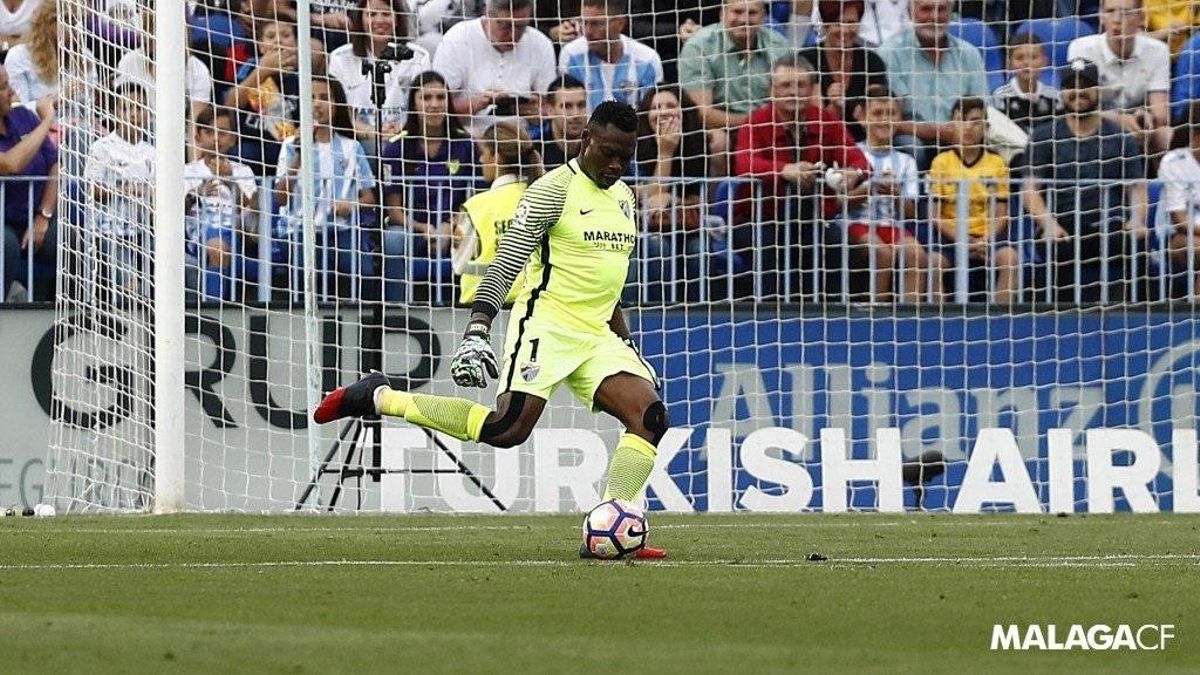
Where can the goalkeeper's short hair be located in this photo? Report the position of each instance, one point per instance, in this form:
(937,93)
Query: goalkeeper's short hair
(620,115)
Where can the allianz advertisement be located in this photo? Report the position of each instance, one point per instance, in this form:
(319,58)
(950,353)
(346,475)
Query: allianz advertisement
(773,411)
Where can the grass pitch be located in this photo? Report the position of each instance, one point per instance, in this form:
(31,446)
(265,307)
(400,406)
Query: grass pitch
(434,594)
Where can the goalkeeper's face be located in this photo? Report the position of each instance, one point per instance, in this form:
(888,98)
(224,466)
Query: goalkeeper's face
(605,153)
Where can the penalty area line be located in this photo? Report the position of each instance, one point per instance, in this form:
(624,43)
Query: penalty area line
(1123,560)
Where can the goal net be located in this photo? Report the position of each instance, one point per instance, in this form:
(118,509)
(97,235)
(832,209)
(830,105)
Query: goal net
(870,279)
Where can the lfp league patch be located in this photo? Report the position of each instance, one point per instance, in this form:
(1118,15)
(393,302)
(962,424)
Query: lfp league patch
(529,371)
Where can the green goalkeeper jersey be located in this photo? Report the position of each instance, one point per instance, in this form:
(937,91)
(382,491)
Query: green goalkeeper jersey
(574,240)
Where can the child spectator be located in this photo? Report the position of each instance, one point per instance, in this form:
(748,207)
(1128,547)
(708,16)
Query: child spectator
(984,175)
(220,196)
(343,182)
(120,168)
(881,205)
(1025,98)
(268,93)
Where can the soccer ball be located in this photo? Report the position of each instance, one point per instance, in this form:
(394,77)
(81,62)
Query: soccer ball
(614,529)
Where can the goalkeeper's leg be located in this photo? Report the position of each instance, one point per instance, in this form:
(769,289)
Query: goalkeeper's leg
(508,425)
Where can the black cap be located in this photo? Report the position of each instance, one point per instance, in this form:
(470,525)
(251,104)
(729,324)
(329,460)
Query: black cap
(1079,74)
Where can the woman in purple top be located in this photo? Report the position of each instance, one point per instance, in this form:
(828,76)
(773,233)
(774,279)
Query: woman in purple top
(29,163)
(430,167)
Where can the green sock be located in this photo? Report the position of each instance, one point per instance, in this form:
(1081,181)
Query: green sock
(630,469)
(458,417)
(392,403)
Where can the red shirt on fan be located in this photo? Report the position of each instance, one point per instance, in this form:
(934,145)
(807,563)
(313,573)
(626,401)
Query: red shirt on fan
(765,144)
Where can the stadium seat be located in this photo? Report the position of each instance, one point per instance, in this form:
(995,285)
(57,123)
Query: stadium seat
(979,34)
(1057,34)
(1185,85)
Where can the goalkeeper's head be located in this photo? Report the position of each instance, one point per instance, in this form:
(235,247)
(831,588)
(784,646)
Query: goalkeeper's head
(608,143)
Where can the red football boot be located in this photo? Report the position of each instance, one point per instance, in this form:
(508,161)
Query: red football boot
(643,553)
(356,400)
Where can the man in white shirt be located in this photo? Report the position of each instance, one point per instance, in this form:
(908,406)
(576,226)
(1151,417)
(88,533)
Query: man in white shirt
(1135,72)
(611,65)
(1179,210)
(496,65)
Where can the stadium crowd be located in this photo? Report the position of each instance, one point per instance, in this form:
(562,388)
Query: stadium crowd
(872,150)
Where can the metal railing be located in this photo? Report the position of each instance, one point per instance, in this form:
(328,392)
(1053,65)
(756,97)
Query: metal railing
(721,239)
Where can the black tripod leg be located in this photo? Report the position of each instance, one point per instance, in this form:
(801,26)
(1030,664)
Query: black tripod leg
(466,470)
(324,467)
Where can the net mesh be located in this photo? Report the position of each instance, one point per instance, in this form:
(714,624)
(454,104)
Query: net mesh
(885,220)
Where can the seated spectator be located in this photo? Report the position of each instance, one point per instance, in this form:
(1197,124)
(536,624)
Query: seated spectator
(882,19)
(671,164)
(1094,173)
(429,171)
(267,94)
(930,70)
(726,69)
(137,66)
(1180,176)
(510,163)
(1135,73)
(376,24)
(567,110)
(795,147)
(344,185)
(120,169)
(225,39)
(496,66)
(802,25)
(15,18)
(1171,21)
(881,205)
(612,65)
(845,66)
(33,65)
(1025,98)
(971,171)
(29,163)
(220,202)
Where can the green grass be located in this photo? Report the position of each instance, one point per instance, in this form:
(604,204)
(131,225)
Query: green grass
(434,594)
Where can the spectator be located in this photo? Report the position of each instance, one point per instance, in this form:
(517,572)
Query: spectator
(881,205)
(845,66)
(268,93)
(882,19)
(556,18)
(510,164)
(137,66)
(971,171)
(495,65)
(1094,173)
(1025,98)
(802,25)
(930,69)
(15,18)
(671,162)
(1180,176)
(220,200)
(795,147)
(225,39)
(568,113)
(1171,21)
(29,161)
(344,184)
(120,169)
(376,24)
(33,65)
(428,170)
(1135,73)
(612,65)
(435,17)
(726,69)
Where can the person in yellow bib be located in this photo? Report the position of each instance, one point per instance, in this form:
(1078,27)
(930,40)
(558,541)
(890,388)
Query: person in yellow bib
(509,163)
(572,235)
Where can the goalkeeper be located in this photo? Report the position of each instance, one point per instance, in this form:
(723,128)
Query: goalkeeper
(572,235)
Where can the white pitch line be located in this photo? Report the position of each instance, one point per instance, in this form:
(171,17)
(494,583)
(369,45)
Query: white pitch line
(1125,560)
(366,527)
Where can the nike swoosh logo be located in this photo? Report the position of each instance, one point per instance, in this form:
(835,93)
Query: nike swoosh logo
(584,212)
(635,533)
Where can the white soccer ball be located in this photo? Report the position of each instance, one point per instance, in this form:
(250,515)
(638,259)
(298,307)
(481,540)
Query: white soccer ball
(44,511)
(614,529)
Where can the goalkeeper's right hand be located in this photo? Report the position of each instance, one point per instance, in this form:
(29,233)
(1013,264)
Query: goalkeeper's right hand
(473,357)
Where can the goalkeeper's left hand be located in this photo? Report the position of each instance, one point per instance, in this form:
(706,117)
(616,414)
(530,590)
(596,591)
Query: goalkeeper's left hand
(473,358)
(628,340)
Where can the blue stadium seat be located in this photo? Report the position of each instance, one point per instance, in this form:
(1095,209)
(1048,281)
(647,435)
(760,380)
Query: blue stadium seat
(781,11)
(1185,85)
(979,34)
(1057,34)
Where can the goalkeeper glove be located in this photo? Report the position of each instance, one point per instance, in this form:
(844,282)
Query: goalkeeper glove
(474,361)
